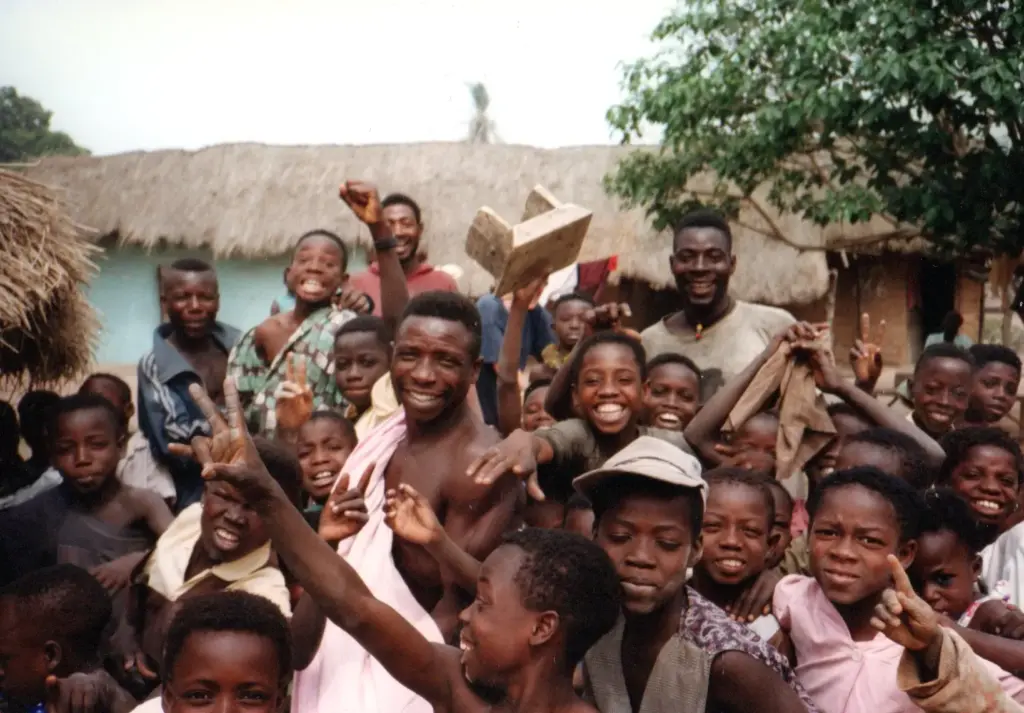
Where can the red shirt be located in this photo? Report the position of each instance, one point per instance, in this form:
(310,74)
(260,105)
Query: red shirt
(423,279)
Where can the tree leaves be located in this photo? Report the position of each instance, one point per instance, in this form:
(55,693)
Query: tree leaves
(25,130)
(910,109)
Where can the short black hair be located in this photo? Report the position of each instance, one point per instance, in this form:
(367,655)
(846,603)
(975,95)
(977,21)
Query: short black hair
(191,264)
(958,444)
(35,412)
(674,358)
(570,575)
(617,488)
(905,501)
(607,337)
(451,307)
(120,385)
(319,233)
(747,478)
(86,401)
(913,456)
(994,353)
(282,464)
(230,611)
(346,426)
(534,385)
(946,511)
(703,218)
(63,603)
(577,502)
(841,408)
(402,199)
(942,350)
(367,324)
(570,297)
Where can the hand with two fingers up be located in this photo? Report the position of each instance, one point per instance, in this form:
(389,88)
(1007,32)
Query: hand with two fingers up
(293,399)
(866,354)
(345,512)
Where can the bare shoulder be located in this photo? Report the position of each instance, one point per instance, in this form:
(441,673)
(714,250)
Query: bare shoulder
(739,681)
(139,501)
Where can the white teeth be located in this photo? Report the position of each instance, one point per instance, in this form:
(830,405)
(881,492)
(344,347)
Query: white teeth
(323,478)
(988,506)
(731,564)
(312,285)
(669,418)
(609,412)
(229,537)
(421,398)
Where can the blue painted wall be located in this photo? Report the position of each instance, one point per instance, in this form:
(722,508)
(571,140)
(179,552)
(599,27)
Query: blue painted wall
(125,294)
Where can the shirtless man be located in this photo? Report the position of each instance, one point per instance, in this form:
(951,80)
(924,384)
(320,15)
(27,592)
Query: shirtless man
(190,348)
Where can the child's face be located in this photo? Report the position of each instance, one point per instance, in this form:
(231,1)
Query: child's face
(781,526)
(86,449)
(607,392)
(944,572)
(323,447)
(317,270)
(359,361)
(534,415)
(940,390)
(671,396)
(858,453)
(824,463)
(580,521)
(993,390)
(758,437)
(652,544)
(545,514)
(737,533)
(225,671)
(24,661)
(104,388)
(230,528)
(852,533)
(988,479)
(569,323)
(497,629)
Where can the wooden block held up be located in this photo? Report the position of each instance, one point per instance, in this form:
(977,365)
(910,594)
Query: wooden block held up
(548,238)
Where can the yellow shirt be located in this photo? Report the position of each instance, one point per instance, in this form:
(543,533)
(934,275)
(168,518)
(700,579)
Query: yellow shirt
(251,573)
(383,405)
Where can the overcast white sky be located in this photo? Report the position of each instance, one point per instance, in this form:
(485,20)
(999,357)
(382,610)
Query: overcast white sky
(121,75)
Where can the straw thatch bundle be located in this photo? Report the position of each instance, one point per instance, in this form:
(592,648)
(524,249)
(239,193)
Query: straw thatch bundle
(47,327)
(252,200)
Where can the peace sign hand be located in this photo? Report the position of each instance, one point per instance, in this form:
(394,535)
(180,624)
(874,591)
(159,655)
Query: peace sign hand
(866,355)
(345,512)
(903,616)
(229,455)
(363,199)
(293,397)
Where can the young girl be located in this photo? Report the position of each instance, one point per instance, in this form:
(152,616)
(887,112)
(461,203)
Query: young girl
(738,538)
(534,415)
(859,517)
(324,443)
(672,391)
(983,466)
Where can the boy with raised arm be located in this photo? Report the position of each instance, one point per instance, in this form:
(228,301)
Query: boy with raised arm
(543,598)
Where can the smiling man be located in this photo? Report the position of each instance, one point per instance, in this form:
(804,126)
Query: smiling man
(719,333)
(402,216)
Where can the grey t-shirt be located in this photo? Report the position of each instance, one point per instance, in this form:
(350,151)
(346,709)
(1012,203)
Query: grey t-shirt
(577,450)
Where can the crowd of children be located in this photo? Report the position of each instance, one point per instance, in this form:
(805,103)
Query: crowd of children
(336,526)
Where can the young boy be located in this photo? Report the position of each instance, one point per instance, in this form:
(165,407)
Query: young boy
(325,442)
(138,468)
(362,358)
(568,315)
(672,651)
(20,483)
(739,536)
(859,517)
(534,415)
(52,631)
(226,651)
(672,391)
(91,520)
(940,389)
(890,451)
(35,413)
(543,598)
(607,379)
(783,502)
(994,388)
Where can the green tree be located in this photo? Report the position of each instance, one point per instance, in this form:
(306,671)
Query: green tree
(911,110)
(482,129)
(25,130)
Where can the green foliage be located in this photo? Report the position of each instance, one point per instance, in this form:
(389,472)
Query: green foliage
(25,130)
(908,109)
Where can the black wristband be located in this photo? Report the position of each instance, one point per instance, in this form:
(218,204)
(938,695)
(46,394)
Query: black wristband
(384,244)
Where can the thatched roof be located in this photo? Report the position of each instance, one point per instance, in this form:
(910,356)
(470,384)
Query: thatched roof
(47,327)
(253,200)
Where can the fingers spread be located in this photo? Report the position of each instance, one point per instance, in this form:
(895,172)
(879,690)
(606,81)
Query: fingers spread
(233,405)
(205,403)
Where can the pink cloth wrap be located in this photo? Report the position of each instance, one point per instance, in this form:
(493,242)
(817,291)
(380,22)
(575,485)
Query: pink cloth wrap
(343,676)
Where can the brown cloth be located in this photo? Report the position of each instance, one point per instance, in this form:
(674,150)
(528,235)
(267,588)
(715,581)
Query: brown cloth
(804,424)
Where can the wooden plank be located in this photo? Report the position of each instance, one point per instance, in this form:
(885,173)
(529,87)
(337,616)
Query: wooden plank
(543,244)
(489,241)
(539,201)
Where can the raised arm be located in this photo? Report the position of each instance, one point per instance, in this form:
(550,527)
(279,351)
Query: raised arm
(331,582)
(510,405)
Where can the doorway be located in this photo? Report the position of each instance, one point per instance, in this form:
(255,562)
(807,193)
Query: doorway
(937,285)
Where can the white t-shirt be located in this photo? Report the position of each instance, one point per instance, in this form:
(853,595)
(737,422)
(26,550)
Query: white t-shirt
(726,347)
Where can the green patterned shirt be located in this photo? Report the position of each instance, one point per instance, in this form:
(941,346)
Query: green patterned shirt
(257,382)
